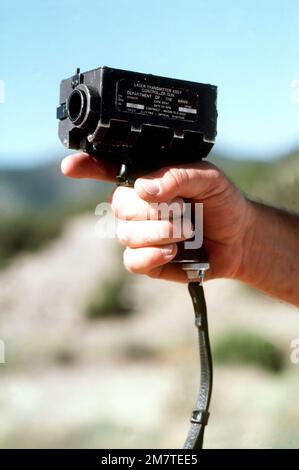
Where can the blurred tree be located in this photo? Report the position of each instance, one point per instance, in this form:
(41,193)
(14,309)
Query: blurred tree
(245,347)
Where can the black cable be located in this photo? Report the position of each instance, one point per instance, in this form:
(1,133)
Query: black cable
(200,414)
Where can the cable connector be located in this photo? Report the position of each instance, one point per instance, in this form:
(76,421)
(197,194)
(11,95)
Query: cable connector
(196,271)
(200,417)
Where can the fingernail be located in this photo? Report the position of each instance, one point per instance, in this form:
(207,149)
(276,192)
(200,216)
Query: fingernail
(168,249)
(149,186)
(64,166)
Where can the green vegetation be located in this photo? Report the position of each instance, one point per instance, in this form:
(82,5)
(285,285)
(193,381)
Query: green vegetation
(32,229)
(274,182)
(109,299)
(243,347)
(26,232)
(35,203)
(64,357)
(140,351)
(29,230)
(244,173)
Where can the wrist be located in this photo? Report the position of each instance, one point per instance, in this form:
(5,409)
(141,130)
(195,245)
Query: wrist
(249,248)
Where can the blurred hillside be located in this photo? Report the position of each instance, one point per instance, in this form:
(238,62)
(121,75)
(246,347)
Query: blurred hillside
(36,202)
(80,332)
(45,188)
(275,182)
(72,380)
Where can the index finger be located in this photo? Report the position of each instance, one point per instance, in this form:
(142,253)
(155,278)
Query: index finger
(83,165)
(127,205)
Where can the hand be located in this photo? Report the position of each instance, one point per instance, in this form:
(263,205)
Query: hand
(227,216)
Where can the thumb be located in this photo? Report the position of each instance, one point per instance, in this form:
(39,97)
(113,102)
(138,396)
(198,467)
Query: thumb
(193,181)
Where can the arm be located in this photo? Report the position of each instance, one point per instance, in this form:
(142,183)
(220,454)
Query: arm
(271,259)
(245,240)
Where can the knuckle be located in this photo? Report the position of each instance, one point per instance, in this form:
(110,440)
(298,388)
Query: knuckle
(151,258)
(127,261)
(121,203)
(138,261)
(215,174)
(132,268)
(218,182)
(115,205)
(137,234)
(173,209)
(178,176)
(130,262)
(123,235)
(165,230)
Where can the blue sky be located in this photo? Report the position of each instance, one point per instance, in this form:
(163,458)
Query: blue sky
(250,49)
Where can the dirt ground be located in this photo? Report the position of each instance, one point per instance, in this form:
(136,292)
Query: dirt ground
(72,382)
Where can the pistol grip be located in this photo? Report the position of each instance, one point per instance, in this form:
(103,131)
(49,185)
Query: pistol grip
(195,254)
(184,255)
